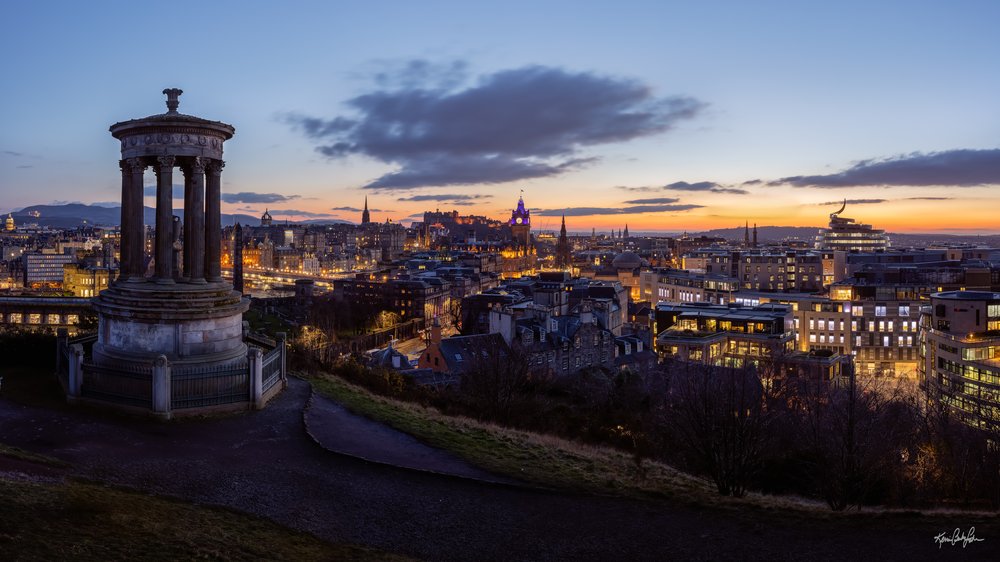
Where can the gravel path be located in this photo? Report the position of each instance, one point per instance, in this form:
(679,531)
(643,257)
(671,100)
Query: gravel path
(263,463)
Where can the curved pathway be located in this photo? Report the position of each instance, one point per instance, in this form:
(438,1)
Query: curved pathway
(263,463)
(336,429)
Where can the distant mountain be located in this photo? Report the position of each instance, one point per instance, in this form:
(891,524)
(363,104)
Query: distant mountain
(764,233)
(72,215)
(767,234)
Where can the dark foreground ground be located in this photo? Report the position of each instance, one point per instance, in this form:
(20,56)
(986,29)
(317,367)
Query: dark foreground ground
(264,463)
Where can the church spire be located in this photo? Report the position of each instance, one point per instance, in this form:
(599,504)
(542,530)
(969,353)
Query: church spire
(746,235)
(626,230)
(563,255)
(365,215)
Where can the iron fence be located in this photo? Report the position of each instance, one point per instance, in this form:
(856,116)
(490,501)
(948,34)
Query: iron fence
(210,386)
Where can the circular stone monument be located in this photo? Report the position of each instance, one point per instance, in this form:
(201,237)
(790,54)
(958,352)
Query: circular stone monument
(184,310)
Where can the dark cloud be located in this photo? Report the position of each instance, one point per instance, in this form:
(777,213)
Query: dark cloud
(519,124)
(248,197)
(753,182)
(357,210)
(653,201)
(588,211)
(446,170)
(643,189)
(296,212)
(709,186)
(929,198)
(12,153)
(444,197)
(420,73)
(856,202)
(959,168)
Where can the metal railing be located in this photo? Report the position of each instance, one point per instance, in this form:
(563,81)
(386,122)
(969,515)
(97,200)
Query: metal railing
(271,369)
(210,386)
(131,385)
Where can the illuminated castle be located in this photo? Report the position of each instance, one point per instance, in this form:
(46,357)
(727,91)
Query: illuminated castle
(520,224)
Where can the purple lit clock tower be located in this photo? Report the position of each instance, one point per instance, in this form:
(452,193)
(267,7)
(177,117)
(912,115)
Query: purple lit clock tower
(520,224)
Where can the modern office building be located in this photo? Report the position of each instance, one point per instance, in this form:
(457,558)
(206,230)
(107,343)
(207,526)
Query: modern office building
(960,355)
(847,235)
(723,334)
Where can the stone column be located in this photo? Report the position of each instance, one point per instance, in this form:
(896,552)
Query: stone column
(75,378)
(164,219)
(282,340)
(161,386)
(213,221)
(125,258)
(194,246)
(175,246)
(185,252)
(134,235)
(256,367)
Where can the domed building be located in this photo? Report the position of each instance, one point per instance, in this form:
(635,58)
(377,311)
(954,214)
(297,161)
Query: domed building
(627,260)
(9,223)
(265,219)
(624,268)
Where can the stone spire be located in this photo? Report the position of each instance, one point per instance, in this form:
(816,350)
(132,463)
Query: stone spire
(365,216)
(563,258)
(754,235)
(746,235)
(626,230)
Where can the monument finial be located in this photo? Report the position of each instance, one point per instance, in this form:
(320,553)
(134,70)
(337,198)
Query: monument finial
(172,102)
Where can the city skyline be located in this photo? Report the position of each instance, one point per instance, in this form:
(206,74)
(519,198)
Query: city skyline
(664,117)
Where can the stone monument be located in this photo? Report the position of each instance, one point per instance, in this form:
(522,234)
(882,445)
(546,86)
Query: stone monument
(191,316)
(174,341)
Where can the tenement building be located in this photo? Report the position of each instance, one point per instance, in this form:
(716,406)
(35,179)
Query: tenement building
(960,359)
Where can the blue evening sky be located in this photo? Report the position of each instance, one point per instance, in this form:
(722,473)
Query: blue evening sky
(792,93)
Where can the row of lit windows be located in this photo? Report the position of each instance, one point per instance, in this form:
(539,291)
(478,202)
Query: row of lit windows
(887,341)
(19,318)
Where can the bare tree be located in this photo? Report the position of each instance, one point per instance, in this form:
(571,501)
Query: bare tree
(494,376)
(857,437)
(719,417)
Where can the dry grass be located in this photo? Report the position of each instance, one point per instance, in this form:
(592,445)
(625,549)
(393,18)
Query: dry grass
(88,522)
(553,462)
(21,454)
(540,459)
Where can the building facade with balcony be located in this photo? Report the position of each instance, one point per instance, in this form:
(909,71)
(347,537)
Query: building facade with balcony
(960,355)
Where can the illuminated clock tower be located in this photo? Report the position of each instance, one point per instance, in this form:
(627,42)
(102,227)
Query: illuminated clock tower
(520,224)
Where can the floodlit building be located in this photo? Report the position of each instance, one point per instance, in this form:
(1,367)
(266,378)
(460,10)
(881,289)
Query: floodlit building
(846,234)
(960,355)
